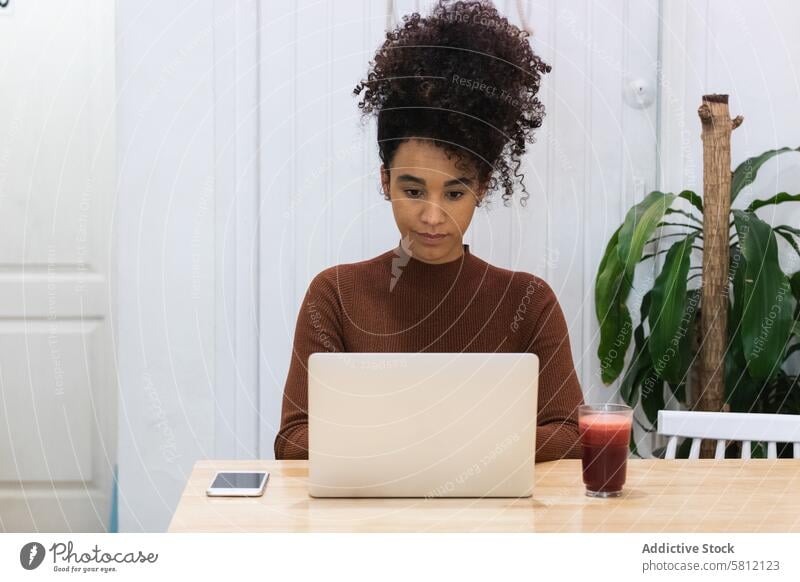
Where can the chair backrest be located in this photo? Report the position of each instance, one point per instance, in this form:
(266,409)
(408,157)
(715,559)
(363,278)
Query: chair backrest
(729,426)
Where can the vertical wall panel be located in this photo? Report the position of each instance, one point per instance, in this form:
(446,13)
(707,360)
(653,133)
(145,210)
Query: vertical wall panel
(167,253)
(346,164)
(381,233)
(565,197)
(280,203)
(310,157)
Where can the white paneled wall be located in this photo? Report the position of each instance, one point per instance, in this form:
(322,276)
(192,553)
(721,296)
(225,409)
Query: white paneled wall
(244,171)
(320,199)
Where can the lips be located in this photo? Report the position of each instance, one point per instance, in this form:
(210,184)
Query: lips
(430,239)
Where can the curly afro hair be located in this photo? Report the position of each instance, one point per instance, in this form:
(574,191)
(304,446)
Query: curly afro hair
(465,78)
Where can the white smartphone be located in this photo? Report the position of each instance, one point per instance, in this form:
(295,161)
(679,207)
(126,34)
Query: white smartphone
(238,484)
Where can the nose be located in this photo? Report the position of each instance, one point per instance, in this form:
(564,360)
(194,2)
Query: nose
(433,214)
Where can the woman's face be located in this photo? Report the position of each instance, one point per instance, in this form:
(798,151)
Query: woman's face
(430,196)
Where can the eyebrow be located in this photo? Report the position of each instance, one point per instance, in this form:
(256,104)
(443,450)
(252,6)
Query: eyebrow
(462,181)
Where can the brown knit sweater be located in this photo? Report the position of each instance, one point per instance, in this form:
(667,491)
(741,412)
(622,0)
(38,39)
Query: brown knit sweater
(396,303)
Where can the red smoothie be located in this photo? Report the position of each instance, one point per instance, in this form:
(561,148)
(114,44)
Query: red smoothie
(604,440)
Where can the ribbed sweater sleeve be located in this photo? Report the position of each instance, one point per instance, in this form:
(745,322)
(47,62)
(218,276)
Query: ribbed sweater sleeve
(560,392)
(318,329)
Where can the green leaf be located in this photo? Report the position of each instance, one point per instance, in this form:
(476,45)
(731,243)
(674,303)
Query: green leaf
(652,396)
(794,281)
(610,293)
(640,363)
(631,381)
(643,427)
(741,390)
(786,233)
(690,318)
(684,213)
(783,395)
(639,225)
(678,392)
(696,227)
(746,172)
(693,198)
(777,199)
(790,229)
(737,270)
(632,446)
(671,315)
(766,312)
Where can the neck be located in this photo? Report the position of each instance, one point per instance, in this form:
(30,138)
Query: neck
(455,256)
(458,255)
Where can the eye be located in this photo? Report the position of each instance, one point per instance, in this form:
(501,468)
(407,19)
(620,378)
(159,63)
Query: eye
(413,193)
(455,195)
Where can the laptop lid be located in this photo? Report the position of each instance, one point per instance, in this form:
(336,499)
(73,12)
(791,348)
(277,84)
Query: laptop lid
(422,424)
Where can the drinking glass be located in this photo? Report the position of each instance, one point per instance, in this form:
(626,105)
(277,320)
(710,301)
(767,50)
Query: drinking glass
(605,431)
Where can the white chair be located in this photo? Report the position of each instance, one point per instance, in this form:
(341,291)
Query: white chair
(729,426)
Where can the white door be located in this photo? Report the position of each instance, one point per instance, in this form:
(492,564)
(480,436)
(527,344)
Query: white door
(57,383)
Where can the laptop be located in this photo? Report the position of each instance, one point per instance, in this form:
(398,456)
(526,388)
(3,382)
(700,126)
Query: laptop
(422,424)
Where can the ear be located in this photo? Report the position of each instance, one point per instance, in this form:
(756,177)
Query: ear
(480,194)
(385,181)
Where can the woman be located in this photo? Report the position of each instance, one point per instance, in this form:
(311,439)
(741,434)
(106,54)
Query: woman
(455,95)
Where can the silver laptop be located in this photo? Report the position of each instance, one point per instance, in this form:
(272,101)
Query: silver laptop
(422,424)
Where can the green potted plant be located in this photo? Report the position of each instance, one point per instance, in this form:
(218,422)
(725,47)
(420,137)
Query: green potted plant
(763,303)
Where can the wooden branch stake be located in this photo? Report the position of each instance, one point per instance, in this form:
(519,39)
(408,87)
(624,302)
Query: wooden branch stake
(716,134)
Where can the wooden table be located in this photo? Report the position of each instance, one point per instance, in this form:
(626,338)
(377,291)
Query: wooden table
(731,495)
